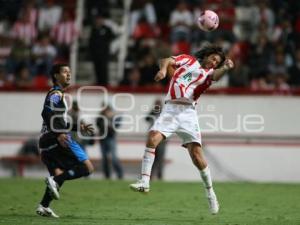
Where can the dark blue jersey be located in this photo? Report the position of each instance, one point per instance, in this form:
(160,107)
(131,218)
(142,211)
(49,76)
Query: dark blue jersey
(55,112)
(54,123)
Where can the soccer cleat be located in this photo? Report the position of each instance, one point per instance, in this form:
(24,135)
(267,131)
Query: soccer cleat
(140,186)
(212,202)
(47,212)
(53,186)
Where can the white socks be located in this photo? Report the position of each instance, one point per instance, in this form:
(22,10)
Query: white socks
(206,178)
(147,163)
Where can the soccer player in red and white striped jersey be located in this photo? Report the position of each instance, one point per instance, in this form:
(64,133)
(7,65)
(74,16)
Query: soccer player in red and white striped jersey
(23,29)
(190,77)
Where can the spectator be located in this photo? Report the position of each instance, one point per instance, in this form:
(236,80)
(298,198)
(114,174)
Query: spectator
(143,11)
(49,15)
(246,20)
(226,13)
(64,34)
(294,71)
(5,49)
(23,78)
(260,55)
(29,148)
(283,34)
(261,83)
(95,7)
(148,67)
(3,78)
(99,48)
(143,30)
(278,65)
(4,24)
(162,49)
(43,53)
(107,123)
(264,14)
(30,10)
(181,21)
(24,30)
(239,75)
(280,82)
(20,55)
(132,79)
(181,46)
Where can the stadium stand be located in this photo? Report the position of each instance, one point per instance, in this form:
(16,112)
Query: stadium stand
(265,49)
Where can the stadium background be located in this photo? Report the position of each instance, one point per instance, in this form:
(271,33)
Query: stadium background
(262,37)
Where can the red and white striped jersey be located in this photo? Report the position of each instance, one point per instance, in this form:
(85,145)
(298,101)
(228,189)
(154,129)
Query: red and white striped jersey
(64,32)
(24,31)
(189,81)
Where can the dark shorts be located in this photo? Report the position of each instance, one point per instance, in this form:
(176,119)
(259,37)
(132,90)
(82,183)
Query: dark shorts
(54,156)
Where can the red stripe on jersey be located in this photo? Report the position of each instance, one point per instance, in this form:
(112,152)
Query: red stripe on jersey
(202,87)
(189,62)
(172,91)
(181,57)
(176,75)
(181,86)
(192,60)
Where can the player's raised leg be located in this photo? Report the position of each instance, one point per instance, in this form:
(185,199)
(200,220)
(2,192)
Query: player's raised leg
(199,161)
(143,185)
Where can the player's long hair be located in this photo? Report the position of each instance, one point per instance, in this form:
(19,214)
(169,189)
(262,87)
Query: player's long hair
(56,69)
(208,50)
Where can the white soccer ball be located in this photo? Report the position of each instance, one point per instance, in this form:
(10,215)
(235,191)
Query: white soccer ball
(208,21)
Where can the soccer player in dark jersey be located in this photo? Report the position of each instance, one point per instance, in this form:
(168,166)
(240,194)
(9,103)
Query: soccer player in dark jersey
(65,159)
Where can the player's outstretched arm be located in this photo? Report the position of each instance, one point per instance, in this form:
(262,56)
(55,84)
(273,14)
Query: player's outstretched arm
(218,73)
(164,65)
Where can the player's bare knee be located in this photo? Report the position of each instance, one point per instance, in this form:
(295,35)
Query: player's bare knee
(154,138)
(197,156)
(91,169)
(89,166)
(58,171)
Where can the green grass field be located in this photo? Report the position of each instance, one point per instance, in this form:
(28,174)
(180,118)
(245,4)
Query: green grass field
(90,202)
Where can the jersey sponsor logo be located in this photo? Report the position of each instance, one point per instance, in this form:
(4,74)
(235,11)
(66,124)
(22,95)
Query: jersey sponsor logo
(187,77)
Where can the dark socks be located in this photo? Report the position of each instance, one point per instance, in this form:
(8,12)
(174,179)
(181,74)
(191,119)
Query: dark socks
(71,174)
(47,198)
(74,173)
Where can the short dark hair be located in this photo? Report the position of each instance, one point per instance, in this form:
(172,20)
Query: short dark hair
(208,50)
(56,69)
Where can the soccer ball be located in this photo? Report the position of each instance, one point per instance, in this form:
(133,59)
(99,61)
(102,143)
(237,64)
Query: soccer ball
(208,21)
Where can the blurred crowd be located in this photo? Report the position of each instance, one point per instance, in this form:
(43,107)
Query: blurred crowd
(261,36)
(33,35)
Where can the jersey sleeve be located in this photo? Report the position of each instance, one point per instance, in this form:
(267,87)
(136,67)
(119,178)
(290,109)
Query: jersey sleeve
(210,75)
(182,59)
(55,98)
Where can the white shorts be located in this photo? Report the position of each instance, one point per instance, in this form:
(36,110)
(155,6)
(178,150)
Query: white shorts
(179,119)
